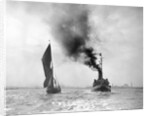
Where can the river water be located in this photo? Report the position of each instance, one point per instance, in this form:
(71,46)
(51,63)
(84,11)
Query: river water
(35,101)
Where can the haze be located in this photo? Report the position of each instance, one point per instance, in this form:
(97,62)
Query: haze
(118,32)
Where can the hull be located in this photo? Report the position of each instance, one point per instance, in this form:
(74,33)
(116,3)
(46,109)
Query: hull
(53,90)
(102,88)
(101,85)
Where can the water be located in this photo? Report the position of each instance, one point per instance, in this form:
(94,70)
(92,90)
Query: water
(34,101)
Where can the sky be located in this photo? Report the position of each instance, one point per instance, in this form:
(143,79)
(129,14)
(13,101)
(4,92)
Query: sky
(29,27)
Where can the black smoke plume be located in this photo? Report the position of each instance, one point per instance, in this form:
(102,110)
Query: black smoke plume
(72,30)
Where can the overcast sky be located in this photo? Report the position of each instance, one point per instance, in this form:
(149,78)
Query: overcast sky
(119,33)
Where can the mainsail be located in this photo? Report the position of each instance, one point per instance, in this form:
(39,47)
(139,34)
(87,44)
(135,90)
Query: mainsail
(48,70)
(47,64)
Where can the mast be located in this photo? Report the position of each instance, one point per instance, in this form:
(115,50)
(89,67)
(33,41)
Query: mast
(51,67)
(101,64)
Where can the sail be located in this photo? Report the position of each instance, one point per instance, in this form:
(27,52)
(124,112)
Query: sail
(48,69)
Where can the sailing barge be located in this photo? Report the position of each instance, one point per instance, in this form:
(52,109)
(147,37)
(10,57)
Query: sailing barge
(50,82)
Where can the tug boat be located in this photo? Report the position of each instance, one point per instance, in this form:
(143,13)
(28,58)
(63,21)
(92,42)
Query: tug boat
(101,84)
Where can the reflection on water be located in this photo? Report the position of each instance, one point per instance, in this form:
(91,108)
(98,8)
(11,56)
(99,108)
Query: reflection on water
(29,101)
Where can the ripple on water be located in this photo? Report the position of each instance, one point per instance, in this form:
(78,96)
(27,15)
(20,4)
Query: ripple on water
(36,101)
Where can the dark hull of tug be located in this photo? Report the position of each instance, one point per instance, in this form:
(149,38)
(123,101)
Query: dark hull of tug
(101,85)
(102,88)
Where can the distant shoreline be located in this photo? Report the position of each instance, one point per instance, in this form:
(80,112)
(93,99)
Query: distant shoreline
(14,88)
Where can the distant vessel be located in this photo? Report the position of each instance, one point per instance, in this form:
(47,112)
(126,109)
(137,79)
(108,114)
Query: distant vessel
(101,84)
(50,82)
